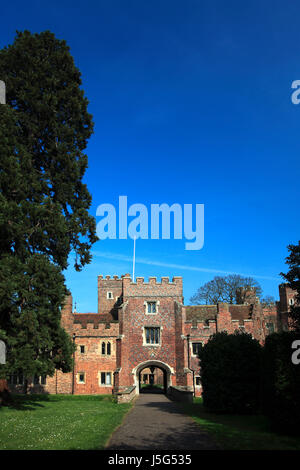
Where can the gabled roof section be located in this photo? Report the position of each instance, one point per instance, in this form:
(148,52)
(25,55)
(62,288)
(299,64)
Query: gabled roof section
(240,312)
(202,313)
(95,318)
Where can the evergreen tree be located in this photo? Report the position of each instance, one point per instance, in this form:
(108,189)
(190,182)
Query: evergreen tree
(293,279)
(44,204)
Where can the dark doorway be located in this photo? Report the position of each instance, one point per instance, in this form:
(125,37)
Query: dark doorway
(153,379)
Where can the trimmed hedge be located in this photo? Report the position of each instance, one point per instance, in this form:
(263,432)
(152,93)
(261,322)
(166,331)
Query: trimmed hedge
(281,383)
(230,373)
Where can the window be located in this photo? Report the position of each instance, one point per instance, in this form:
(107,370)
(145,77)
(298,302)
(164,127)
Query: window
(152,335)
(38,380)
(106,348)
(16,379)
(291,301)
(82,349)
(105,378)
(197,381)
(196,347)
(151,307)
(81,377)
(110,295)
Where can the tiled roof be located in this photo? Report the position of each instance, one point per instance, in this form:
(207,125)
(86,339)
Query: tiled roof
(240,312)
(208,312)
(201,312)
(95,318)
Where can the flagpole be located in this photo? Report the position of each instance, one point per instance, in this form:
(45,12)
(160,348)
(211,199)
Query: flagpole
(133,264)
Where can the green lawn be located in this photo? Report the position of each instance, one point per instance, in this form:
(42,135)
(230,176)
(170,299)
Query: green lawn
(50,422)
(236,432)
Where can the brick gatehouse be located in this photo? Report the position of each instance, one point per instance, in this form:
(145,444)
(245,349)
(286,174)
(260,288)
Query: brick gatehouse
(143,330)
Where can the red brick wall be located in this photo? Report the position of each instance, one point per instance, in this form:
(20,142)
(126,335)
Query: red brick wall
(106,285)
(126,336)
(133,319)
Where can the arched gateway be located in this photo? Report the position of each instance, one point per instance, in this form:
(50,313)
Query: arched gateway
(165,368)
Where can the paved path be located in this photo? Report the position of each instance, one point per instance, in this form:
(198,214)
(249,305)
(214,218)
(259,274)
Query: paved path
(155,422)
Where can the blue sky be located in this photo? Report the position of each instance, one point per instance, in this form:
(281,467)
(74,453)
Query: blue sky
(192,104)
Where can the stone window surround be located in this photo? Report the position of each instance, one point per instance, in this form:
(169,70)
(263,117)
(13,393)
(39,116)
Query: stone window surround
(153,345)
(157,303)
(78,381)
(40,379)
(105,372)
(19,379)
(112,349)
(196,342)
(197,385)
(109,295)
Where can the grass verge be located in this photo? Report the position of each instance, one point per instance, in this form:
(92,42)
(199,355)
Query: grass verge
(59,422)
(240,432)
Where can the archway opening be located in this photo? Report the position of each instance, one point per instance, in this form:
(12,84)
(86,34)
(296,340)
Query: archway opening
(152,377)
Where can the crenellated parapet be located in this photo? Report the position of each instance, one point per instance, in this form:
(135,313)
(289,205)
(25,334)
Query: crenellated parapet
(153,287)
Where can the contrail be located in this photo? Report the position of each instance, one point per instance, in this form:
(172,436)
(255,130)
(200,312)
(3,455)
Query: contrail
(183,267)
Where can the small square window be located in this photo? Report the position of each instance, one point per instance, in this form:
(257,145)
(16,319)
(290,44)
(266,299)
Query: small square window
(81,377)
(110,295)
(196,348)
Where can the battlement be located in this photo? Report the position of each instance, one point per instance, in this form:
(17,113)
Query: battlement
(107,278)
(152,280)
(110,289)
(153,287)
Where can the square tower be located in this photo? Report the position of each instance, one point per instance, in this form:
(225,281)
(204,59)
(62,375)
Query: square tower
(110,292)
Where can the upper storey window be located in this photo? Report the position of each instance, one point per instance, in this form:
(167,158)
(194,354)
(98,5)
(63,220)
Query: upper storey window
(152,335)
(151,307)
(196,348)
(109,295)
(106,348)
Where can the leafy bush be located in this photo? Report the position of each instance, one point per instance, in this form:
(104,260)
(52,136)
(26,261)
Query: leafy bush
(230,373)
(281,383)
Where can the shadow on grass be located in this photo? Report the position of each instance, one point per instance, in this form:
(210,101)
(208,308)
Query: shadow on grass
(27,402)
(32,402)
(241,432)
